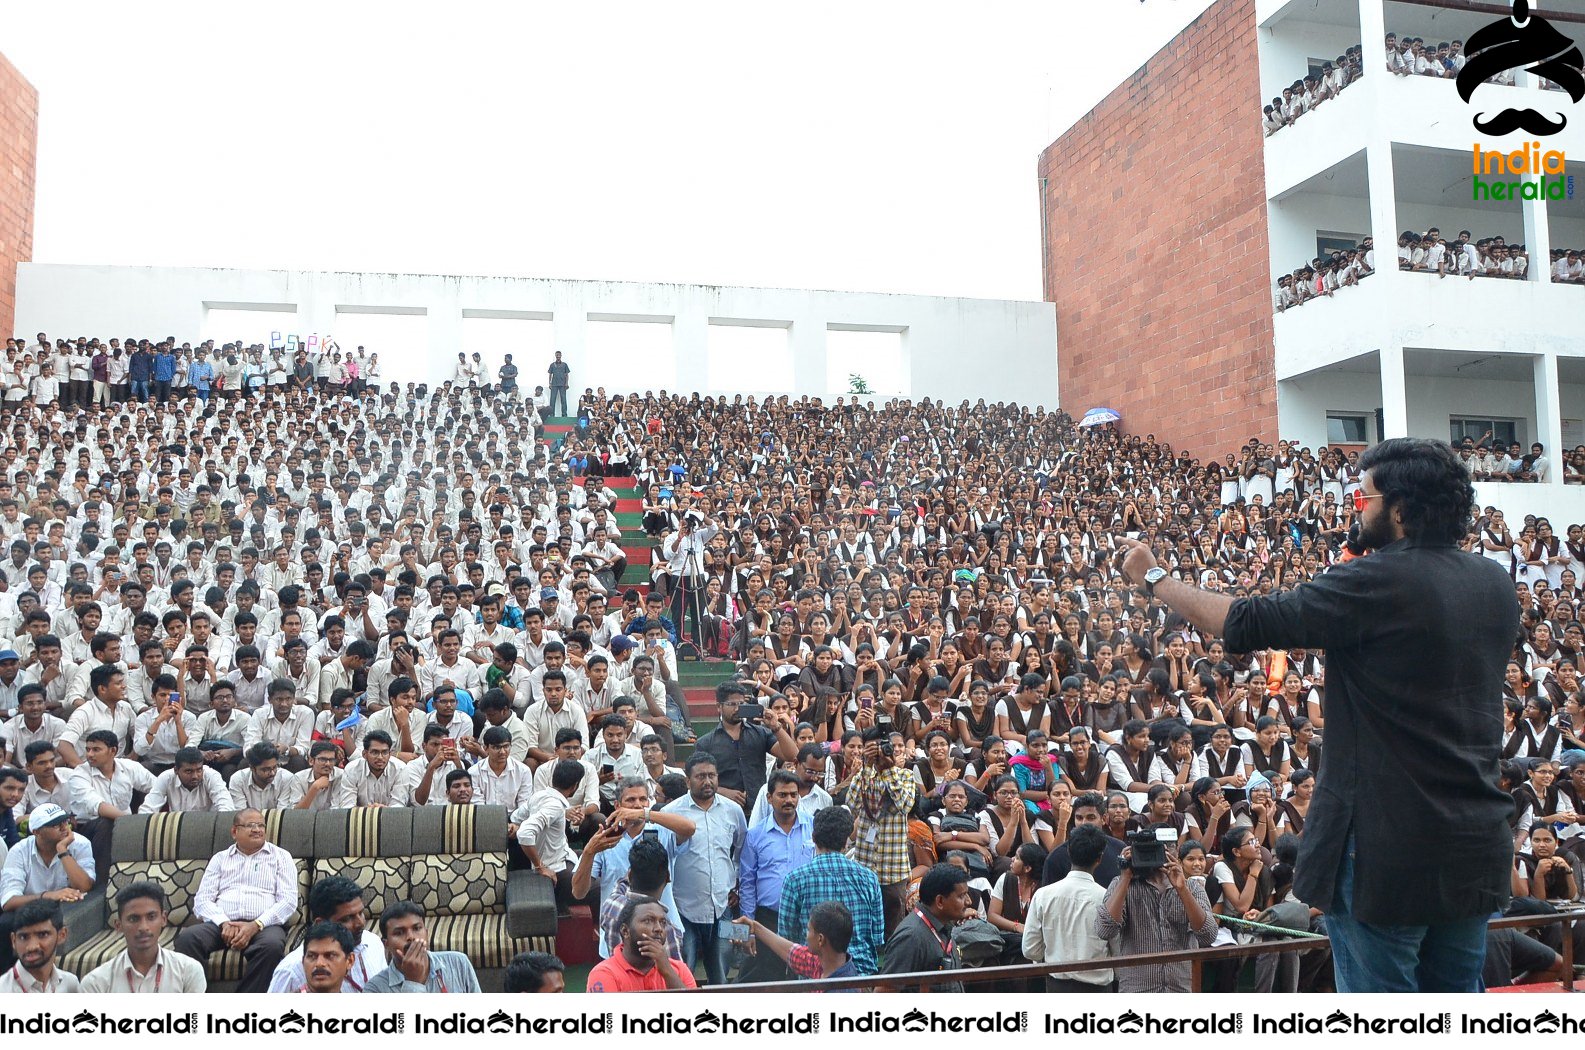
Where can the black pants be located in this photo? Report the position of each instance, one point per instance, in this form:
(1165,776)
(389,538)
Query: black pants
(98,832)
(893,899)
(764,965)
(259,958)
(558,395)
(162,390)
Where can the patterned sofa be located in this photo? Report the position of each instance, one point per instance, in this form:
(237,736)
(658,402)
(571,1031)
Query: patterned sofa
(449,859)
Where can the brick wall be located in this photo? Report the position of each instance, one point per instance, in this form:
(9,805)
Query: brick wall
(19,121)
(1156,250)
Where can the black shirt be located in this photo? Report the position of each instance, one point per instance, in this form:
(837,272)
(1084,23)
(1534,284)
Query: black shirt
(740,763)
(921,946)
(1058,865)
(1416,639)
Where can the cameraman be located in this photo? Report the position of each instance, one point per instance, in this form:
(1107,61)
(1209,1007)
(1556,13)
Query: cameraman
(881,796)
(685,554)
(1154,908)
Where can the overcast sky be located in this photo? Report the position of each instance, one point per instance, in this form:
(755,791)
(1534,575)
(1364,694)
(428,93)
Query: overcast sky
(867,146)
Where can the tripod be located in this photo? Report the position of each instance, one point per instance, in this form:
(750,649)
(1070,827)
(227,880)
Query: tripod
(689,645)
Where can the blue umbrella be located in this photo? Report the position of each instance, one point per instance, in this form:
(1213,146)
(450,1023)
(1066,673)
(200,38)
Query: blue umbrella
(1096,416)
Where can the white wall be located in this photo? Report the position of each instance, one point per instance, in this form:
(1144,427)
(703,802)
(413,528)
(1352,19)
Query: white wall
(1296,220)
(952,348)
(1285,52)
(1303,403)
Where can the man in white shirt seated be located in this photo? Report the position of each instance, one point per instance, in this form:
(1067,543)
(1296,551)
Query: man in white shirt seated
(30,723)
(247,895)
(615,757)
(320,780)
(339,900)
(143,966)
(499,779)
(52,864)
(374,778)
(164,727)
(282,722)
(39,934)
(443,713)
(425,778)
(189,786)
(261,784)
(101,790)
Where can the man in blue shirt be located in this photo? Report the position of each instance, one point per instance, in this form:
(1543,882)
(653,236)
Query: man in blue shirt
(773,849)
(830,876)
(140,367)
(605,858)
(164,372)
(706,872)
(201,374)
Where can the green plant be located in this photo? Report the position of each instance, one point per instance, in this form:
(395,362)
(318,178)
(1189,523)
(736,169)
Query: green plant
(857,385)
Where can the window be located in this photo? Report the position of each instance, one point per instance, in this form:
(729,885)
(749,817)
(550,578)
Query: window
(1503,430)
(1329,241)
(1346,429)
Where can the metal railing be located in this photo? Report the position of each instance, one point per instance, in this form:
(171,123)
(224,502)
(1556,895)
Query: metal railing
(1197,958)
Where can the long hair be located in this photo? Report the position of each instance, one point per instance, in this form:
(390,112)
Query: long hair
(1426,480)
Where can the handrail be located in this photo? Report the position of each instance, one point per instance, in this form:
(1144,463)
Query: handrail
(1196,957)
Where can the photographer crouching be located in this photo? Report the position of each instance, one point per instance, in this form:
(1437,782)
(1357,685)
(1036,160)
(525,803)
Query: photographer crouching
(1417,634)
(1153,907)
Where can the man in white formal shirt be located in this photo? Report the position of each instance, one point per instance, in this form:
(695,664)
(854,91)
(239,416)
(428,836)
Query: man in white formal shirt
(282,722)
(1060,923)
(247,895)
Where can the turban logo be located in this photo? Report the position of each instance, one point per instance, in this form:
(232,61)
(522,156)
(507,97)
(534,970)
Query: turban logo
(1528,42)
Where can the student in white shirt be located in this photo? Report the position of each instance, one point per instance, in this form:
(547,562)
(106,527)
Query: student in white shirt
(188,786)
(336,899)
(374,778)
(143,966)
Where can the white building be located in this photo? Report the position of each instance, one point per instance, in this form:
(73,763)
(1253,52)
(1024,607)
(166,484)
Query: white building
(623,336)
(1411,353)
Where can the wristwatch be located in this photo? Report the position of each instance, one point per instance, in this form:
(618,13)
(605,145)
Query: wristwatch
(1153,577)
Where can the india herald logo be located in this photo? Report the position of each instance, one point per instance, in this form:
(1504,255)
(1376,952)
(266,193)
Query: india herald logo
(1528,42)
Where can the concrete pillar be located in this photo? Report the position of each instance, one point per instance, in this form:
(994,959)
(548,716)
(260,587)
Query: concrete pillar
(1394,393)
(1538,239)
(807,344)
(1549,414)
(1372,39)
(1383,207)
(445,337)
(690,340)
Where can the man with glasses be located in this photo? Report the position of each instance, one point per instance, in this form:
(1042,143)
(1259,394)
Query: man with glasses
(1431,627)
(247,895)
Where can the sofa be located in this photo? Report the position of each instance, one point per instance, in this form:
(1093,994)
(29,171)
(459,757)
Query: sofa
(451,860)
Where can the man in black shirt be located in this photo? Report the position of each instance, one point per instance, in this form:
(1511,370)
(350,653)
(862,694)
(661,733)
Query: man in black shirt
(922,942)
(1416,636)
(740,747)
(1088,808)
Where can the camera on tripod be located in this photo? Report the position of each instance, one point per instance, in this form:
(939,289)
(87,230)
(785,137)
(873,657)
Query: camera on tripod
(1147,849)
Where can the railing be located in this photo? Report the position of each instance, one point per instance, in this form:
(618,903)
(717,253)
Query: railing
(1197,958)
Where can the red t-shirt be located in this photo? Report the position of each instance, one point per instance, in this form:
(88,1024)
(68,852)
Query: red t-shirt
(615,975)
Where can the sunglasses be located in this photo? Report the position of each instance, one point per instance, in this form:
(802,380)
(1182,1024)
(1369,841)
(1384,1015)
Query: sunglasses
(1360,499)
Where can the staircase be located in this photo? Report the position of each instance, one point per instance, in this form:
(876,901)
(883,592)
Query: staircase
(697,677)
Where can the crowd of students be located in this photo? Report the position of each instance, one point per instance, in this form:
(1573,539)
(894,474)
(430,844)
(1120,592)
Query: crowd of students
(1310,91)
(319,599)
(1430,252)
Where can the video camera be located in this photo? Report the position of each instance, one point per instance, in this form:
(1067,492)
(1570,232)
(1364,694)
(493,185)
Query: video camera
(1148,849)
